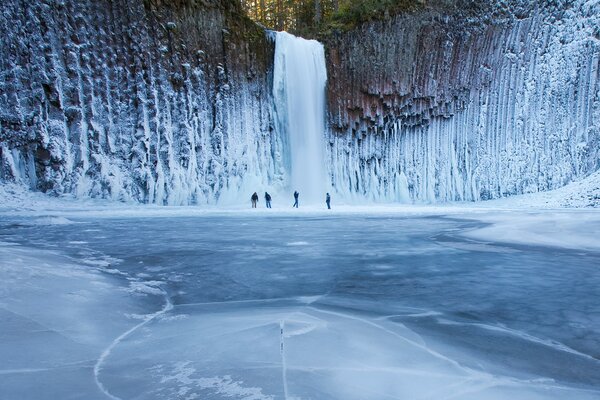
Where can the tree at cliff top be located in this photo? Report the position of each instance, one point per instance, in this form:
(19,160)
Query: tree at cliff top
(311,16)
(291,15)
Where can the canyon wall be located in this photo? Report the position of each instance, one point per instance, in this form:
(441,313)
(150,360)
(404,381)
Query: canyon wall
(171,102)
(433,106)
(154,101)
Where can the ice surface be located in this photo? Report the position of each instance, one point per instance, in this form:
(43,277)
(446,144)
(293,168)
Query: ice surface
(57,317)
(567,230)
(246,305)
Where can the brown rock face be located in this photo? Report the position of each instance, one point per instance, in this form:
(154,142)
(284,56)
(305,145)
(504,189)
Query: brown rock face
(430,107)
(408,69)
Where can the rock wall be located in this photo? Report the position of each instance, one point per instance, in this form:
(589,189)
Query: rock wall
(434,106)
(155,101)
(170,102)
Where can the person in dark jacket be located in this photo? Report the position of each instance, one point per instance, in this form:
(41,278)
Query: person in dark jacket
(328,201)
(268,199)
(296,194)
(254,199)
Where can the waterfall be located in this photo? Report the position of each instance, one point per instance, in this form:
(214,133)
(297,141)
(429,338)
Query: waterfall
(299,93)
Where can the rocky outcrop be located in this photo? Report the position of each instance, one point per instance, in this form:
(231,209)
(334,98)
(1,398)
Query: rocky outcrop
(157,101)
(433,106)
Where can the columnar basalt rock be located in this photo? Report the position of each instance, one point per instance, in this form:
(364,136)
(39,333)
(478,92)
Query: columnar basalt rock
(170,102)
(430,106)
(153,101)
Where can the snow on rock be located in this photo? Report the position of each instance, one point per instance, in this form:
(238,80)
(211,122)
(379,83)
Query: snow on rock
(173,103)
(440,107)
(165,103)
(580,194)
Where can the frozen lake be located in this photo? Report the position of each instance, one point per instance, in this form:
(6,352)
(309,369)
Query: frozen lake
(286,307)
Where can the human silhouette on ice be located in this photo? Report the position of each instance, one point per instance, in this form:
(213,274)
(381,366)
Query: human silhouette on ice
(296,194)
(268,199)
(254,199)
(328,201)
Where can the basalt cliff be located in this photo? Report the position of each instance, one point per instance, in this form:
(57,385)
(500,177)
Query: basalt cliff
(466,105)
(171,102)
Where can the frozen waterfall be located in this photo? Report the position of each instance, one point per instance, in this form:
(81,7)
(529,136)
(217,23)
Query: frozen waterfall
(299,93)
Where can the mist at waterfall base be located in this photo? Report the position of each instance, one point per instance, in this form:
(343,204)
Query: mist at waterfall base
(299,82)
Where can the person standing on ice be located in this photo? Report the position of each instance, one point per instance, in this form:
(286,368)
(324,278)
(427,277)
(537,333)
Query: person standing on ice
(328,201)
(296,194)
(254,199)
(268,199)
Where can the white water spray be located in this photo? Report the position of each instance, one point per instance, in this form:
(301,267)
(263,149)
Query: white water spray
(299,92)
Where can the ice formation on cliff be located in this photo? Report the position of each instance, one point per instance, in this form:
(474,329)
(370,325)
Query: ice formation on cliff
(167,109)
(127,101)
(503,110)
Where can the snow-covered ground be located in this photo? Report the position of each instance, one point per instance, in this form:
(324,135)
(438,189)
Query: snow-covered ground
(104,300)
(568,217)
(580,194)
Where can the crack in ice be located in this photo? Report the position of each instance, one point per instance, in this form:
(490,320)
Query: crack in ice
(98,366)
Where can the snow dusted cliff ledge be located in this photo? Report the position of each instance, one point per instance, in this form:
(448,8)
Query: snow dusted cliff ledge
(154,101)
(471,105)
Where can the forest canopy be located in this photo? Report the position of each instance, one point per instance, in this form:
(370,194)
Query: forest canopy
(313,16)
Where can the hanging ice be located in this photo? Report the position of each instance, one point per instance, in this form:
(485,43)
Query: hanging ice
(299,92)
(441,115)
